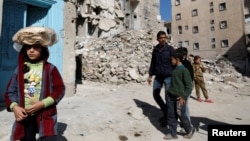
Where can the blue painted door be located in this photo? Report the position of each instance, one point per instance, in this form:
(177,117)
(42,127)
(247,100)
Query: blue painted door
(13,19)
(37,16)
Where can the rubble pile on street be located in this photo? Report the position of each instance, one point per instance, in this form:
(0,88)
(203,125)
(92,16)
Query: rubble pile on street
(118,59)
(222,70)
(125,57)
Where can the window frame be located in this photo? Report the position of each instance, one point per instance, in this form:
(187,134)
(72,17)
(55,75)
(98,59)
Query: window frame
(212,21)
(196,46)
(224,43)
(211,4)
(225,24)
(194,12)
(196,29)
(213,46)
(211,10)
(222,6)
(178,16)
(177,2)
(212,28)
(186,42)
(180,43)
(179,29)
(213,40)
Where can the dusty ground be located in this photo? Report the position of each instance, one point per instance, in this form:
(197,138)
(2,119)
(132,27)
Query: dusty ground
(99,112)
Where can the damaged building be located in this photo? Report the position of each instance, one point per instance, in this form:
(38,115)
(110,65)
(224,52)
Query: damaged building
(87,20)
(98,18)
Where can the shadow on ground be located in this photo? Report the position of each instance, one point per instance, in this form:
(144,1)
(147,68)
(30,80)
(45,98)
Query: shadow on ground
(61,128)
(197,121)
(192,97)
(152,113)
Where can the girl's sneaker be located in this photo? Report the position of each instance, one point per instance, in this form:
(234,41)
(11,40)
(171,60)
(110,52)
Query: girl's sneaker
(208,101)
(199,99)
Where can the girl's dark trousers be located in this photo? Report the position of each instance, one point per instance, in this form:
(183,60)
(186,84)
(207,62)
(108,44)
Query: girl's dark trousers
(31,129)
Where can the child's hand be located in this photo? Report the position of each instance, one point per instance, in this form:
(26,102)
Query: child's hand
(38,105)
(19,113)
(181,100)
(149,80)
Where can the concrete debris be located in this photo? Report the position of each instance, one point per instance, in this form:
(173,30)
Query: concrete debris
(119,59)
(119,13)
(106,24)
(104,4)
(222,70)
(125,57)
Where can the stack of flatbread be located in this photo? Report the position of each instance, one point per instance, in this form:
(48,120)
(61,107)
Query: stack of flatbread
(35,35)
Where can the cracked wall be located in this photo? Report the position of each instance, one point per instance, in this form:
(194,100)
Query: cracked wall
(98,18)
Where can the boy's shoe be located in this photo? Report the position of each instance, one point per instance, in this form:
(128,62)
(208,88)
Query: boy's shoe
(199,99)
(182,131)
(190,135)
(208,101)
(169,137)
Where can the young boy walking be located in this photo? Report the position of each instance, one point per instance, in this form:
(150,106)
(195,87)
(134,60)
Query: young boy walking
(188,65)
(35,88)
(178,92)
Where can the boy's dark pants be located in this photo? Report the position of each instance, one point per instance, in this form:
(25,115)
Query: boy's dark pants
(30,130)
(175,110)
(157,86)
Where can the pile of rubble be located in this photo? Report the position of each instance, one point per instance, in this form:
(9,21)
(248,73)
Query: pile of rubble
(125,57)
(118,59)
(222,70)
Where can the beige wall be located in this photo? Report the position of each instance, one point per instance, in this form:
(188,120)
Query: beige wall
(234,32)
(69,63)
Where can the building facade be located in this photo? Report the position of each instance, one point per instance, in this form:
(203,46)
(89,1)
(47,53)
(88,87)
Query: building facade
(210,27)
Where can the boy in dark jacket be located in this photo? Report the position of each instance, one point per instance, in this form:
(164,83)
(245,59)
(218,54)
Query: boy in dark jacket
(161,68)
(178,92)
(186,62)
(35,88)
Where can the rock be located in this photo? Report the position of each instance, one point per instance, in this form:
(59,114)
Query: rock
(133,74)
(113,79)
(136,113)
